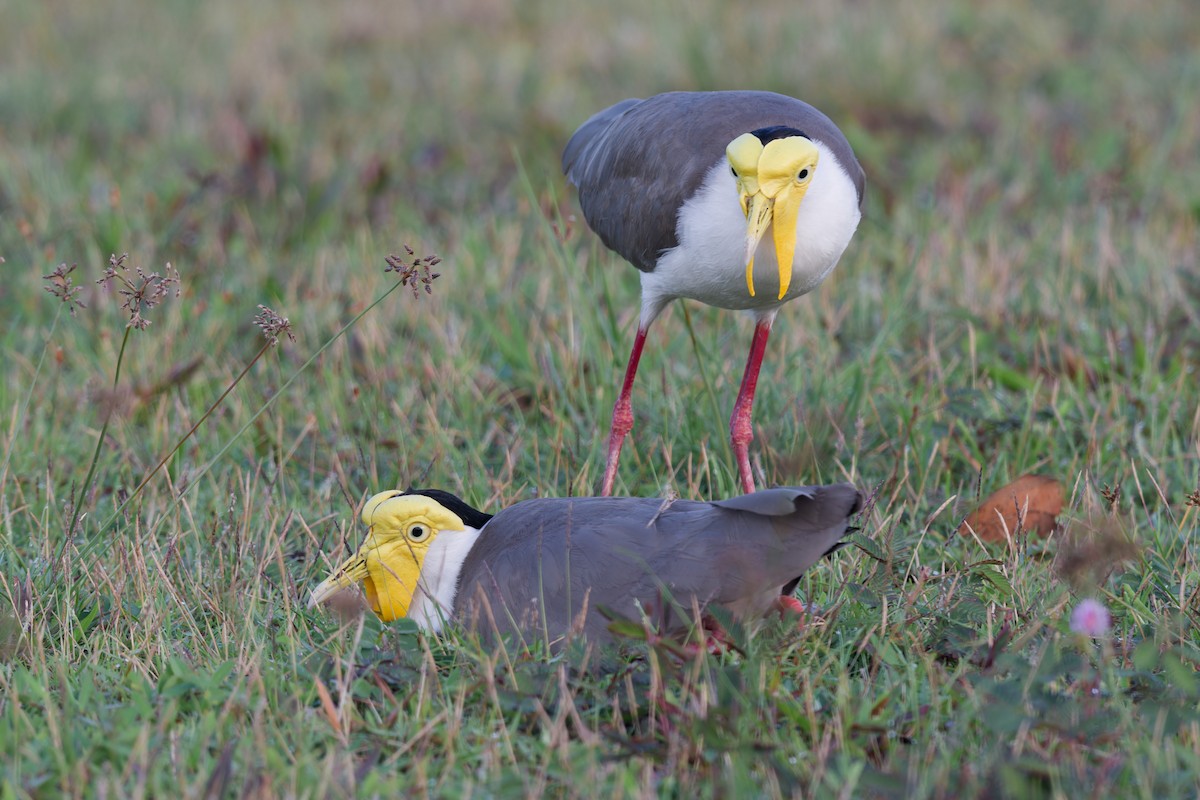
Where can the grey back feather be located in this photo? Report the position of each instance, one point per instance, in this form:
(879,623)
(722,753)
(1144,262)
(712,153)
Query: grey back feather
(544,567)
(636,162)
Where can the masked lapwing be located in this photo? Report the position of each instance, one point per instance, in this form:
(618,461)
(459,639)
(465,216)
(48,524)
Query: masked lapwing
(556,567)
(687,185)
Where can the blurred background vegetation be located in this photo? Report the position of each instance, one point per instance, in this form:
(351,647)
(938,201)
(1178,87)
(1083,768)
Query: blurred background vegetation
(1030,171)
(1023,295)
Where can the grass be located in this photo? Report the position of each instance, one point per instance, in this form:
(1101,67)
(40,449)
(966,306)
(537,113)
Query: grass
(1022,296)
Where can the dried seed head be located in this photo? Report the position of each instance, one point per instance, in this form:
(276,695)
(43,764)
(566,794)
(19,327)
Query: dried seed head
(141,291)
(273,325)
(1111,495)
(60,284)
(414,272)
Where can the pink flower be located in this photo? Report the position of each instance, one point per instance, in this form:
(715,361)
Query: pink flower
(1091,618)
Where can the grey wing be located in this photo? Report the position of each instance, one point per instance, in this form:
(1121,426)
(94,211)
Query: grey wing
(740,553)
(807,507)
(582,138)
(500,584)
(809,521)
(637,162)
(545,566)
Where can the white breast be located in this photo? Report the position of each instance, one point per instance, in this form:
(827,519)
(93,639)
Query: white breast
(709,266)
(434,599)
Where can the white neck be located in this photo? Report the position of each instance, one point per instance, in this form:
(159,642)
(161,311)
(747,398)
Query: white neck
(709,263)
(434,599)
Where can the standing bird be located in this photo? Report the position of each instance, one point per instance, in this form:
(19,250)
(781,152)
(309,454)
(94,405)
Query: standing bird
(685,186)
(547,567)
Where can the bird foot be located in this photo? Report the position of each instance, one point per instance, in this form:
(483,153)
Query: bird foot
(791,609)
(787,605)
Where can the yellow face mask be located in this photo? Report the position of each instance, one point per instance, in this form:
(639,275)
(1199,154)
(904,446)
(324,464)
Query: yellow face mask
(400,529)
(772,180)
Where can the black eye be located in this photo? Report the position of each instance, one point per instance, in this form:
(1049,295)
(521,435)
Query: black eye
(733,172)
(803,174)
(417,532)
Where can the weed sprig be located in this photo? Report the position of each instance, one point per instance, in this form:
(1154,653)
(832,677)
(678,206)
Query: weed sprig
(148,290)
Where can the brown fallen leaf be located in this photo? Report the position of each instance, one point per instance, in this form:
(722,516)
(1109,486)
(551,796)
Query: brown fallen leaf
(1030,503)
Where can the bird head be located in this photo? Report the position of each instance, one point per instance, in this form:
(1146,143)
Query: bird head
(401,530)
(772,179)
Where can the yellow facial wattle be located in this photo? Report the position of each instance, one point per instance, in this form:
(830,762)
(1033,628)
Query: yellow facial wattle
(772,180)
(388,565)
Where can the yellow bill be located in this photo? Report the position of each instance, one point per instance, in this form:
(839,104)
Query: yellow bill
(353,571)
(388,565)
(772,180)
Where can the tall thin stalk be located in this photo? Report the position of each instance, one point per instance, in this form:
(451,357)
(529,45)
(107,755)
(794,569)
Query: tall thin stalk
(415,273)
(77,502)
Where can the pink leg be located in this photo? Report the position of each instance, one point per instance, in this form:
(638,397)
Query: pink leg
(622,418)
(740,424)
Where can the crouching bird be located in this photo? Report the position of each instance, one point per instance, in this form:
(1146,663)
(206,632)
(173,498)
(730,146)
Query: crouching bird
(546,567)
(686,186)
